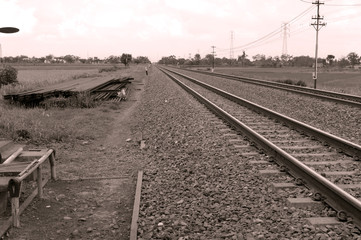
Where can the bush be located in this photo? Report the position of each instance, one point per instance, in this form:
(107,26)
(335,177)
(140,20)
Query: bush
(8,75)
(109,69)
(80,100)
(301,83)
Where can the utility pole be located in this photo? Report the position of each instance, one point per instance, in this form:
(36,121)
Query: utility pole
(213,52)
(318,24)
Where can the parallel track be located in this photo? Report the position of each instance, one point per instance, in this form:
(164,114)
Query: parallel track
(348,99)
(285,140)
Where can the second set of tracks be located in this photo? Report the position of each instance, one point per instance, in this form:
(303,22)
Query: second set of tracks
(347,99)
(322,162)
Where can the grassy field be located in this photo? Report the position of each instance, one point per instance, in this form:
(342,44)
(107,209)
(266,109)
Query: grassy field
(347,81)
(54,124)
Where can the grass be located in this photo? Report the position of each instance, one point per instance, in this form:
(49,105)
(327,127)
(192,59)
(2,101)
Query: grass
(54,122)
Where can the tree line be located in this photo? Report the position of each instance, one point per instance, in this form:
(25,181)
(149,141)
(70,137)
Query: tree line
(261,60)
(125,58)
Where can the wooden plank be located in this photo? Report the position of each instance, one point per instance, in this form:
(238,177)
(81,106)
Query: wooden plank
(13,156)
(16,167)
(136,206)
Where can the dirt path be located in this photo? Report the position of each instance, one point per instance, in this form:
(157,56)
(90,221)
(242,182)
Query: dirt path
(100,204)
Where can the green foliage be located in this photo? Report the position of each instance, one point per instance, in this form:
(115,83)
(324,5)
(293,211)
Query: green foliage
(353,58)
(81,100)
(109,69)
(8,75)
(126,58)
(290,82)
(301,83)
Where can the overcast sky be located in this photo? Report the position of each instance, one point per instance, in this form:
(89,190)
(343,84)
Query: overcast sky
(156,28)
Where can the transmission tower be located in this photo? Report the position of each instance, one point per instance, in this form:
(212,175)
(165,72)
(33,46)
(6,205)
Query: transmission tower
(318,24)
(213,54)
(231,51)
(286,33)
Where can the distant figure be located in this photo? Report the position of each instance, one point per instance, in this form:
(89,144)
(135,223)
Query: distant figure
(146,71)
(122,94)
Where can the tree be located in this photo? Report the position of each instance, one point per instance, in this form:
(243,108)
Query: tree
(197,59)
(49,57)
(303,61)
(330,59)
(69,58)
(242,58)
(141,59)
(8,75)
(343,62)
(113,59)
(286,59)
(126,58)
(353,58)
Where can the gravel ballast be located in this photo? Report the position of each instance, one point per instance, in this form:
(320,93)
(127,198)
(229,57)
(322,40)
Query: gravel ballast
(339,119)
(195,186)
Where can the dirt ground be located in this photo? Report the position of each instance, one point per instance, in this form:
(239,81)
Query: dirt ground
(94,194)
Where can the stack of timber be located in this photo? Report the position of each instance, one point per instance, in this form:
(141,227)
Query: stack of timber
(101,88)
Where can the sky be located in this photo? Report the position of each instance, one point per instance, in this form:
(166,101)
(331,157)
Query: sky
(183,28)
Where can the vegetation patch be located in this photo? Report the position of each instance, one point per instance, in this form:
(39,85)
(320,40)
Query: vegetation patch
(109,69)
(80,100)
(290,82)
(8,75)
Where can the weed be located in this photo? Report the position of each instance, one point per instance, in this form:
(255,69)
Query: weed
(109,69)
(301,83)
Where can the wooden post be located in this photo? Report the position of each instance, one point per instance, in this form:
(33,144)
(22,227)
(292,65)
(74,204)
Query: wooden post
(52,166)
(15,211)
(40,181)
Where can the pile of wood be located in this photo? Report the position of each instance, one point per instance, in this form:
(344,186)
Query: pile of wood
(101,88)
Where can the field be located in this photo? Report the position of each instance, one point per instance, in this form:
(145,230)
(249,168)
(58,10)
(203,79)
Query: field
(347,81)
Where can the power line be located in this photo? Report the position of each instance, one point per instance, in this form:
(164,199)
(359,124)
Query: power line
(271,34)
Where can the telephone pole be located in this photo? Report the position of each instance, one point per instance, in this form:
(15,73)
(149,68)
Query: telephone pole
(318,24)
(213,53)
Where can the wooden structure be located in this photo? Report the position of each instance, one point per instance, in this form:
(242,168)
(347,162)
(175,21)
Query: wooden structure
(101,88)
(20,166)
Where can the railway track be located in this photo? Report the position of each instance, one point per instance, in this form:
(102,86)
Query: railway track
(348,99)
(321,161)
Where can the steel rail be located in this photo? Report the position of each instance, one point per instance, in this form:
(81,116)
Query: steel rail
(334,196)
(351,100)
(340,144)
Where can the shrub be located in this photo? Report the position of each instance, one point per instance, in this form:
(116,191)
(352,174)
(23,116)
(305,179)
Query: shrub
(8,75)
(301,83)
(109,69)
(80,100)
(288,81)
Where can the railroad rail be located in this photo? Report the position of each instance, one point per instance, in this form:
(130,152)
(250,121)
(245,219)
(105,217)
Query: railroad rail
(348,99)
(292,150)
